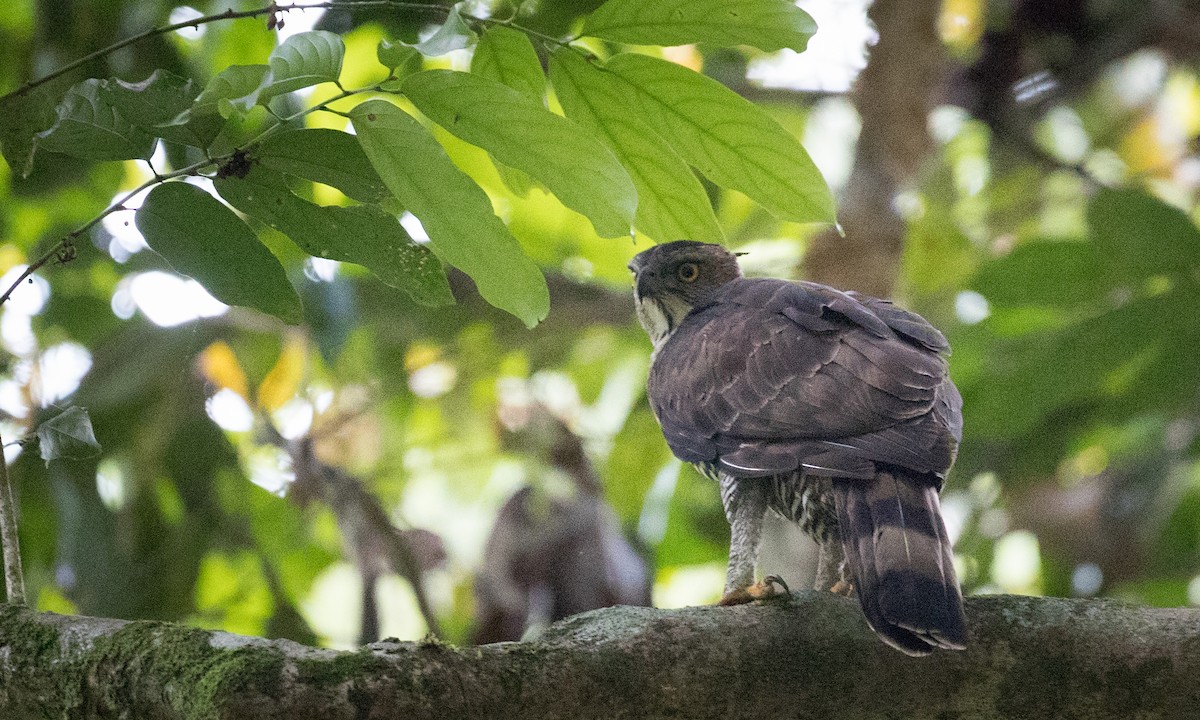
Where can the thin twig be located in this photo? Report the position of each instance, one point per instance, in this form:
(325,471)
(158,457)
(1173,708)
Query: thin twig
(14,578)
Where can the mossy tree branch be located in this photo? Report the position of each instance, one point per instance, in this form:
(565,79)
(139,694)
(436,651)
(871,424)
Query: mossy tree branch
(809,657)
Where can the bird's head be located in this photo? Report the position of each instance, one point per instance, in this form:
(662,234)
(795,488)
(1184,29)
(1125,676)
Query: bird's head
(671,279)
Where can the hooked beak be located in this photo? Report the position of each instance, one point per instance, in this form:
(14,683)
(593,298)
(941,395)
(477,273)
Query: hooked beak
(641,284)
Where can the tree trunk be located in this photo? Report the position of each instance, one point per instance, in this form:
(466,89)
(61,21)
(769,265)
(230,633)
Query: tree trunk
(811,656)
(893,98)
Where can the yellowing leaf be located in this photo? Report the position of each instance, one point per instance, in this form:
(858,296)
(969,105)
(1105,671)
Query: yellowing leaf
(283,381)
(219,366)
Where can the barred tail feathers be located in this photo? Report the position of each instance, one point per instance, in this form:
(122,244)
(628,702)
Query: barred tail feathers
(901,561)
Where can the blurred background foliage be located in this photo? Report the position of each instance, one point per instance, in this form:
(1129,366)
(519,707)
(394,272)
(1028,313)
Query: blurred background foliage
(257,477)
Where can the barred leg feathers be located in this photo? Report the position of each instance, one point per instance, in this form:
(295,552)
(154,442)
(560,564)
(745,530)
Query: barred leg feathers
(901,561)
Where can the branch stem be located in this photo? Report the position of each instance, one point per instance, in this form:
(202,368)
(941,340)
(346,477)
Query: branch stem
(14,578)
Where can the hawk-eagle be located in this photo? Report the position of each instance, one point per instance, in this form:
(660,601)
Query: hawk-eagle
(831,408)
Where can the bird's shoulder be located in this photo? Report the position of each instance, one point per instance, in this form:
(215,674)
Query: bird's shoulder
(822,309)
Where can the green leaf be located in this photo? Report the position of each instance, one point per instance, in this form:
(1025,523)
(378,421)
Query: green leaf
(1139,236)
(363,235)
(726,137)
(455,212)
(403,60)
(22,117)
(1050,273)
(454,34)
(89,127)
(1050,370)
(234,90)
(326,156)
(305,59)
(672,204)
(765,24)
(205,240)
(68,435)
(154,103)
(519,132)
(518,182)
(506,56)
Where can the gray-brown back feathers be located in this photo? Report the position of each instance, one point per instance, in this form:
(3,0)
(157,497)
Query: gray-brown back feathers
(765,377)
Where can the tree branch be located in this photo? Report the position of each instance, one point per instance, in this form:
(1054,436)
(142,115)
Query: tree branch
(809,657)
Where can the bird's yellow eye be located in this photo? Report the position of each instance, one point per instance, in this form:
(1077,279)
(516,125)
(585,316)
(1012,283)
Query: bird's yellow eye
(688,272)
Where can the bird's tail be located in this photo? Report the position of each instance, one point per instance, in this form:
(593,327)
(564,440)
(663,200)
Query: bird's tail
(901,561)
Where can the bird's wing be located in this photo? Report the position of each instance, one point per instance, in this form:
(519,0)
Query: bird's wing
(775,373)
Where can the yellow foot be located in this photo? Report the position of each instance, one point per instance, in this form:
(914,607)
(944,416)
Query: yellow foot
(842,587)
(758,591)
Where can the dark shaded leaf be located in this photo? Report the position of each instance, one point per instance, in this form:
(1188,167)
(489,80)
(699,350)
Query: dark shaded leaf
(1051,273)
(363,235)
(1139,236)
(205,240)
(154,103)
(326,156)
(21,118)
(89,127)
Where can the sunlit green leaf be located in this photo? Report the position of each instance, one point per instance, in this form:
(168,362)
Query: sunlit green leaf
(326,156)
(518,131)
(726,137)
(517,181)
(454,211)
(506,56)
(672,204)
(202,238)
(68,435)
(89,127)
(454,34)
(364,235)
(765,24)
(305,59)
(154,103)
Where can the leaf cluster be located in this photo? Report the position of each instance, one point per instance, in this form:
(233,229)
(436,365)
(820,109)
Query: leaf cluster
(635,127)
